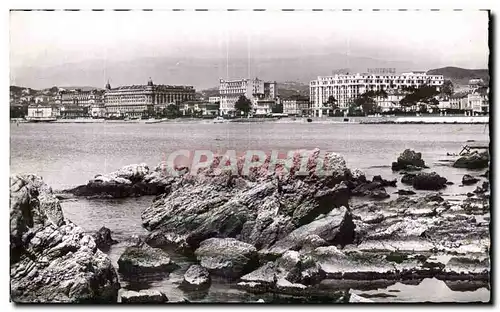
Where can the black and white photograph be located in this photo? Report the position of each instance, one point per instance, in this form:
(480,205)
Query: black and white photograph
(253,156)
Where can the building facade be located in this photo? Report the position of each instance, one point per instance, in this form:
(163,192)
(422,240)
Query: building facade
(253,89)
(345,88)
(214,99)
(80,98)
(135,100)
(41,112)
(297,106)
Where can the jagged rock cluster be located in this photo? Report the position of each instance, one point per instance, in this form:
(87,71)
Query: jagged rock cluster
(273,231)
(52,259)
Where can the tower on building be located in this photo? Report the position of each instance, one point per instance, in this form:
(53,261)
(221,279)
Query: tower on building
(150,82)
(108,86)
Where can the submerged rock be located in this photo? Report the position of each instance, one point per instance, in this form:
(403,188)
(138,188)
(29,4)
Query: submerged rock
(52,259)
(103,238)
(473,160)
(144,259)
(227,257)
(468,179)
(196,277)
(143,296)
(409,160)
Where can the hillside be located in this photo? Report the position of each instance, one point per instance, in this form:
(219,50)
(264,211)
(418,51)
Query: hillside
(461,76)
(289,88)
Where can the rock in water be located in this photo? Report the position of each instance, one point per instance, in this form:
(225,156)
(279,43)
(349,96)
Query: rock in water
(144,259)
(428,181)
(52,259)
(409,160)
(473,161)
(358,299)
(227,257)
(196,277)
(143,296)
(103,238)
(405,192)
(129,181)
(468,179)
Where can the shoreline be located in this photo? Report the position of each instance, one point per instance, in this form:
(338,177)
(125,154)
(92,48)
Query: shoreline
(431,120)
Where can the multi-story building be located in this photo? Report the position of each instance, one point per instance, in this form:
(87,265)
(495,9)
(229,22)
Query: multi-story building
(458,101)
(41,112)
(478,101)
(345,88)
(253,89)
(391,102)
(80,98)
(296,106)
(134,100)
(199,108)
(214,99)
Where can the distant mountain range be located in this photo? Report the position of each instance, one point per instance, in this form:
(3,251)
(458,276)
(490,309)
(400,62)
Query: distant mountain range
(461,76)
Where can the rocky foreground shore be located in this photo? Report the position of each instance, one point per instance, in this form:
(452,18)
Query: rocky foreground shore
(264,232)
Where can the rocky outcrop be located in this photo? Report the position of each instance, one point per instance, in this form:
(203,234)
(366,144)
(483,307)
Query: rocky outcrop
(196,277)
(144,259)
(336,228)
(129,181)
(473,160)
(259,208)
(409,160)
(52,259)
(143,296)
(468,179)
(103,238)
(425,181)
(374,189)
(405,192)
(227,257)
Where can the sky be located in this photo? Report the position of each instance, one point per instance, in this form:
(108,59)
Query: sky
(439,38)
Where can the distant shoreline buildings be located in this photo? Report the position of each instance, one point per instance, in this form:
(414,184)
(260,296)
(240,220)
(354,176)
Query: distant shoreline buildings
(345,88)
(134,100)
(328,96)
(263,95)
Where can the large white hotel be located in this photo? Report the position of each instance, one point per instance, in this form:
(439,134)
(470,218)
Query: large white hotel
(345,88)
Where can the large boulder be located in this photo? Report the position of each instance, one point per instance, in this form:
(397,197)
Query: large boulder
(468,179)
(424,181)
(52,259)
(144,259)
(103,238)
(429,181)
(227,257)
(196,277)
(409,160)
(473,160)
(335,228)
(143,296)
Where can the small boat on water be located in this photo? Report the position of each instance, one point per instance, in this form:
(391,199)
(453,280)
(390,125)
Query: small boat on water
(309,120)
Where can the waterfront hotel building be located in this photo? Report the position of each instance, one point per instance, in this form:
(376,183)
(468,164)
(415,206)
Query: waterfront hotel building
(133,100)
(345,88)
(253,89)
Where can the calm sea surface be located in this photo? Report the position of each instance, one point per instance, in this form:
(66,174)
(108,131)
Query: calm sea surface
(67,155)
